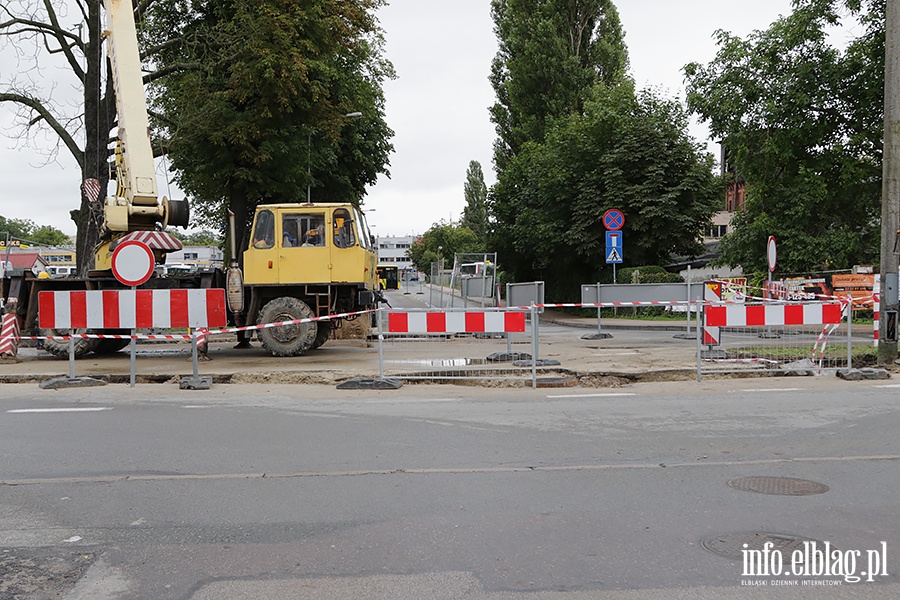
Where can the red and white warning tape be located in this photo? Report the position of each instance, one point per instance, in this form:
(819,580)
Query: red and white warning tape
(105,336)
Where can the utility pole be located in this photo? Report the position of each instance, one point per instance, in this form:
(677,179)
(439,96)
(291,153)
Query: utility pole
(890,191)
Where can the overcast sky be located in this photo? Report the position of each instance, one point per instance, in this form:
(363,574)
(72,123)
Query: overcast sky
(438,105)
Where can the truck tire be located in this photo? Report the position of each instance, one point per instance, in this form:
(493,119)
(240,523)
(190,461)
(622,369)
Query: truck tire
(60,348)
(289,340)
(110,346)
(322,334)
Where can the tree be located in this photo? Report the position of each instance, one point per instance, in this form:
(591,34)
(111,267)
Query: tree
(627,151)
(264,117)
(204,237)
(802,122)
(26,230)
(48,30)
(475,213)
(442,241)
(551,54)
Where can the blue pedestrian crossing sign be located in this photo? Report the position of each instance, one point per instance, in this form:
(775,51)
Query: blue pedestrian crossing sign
(613,255)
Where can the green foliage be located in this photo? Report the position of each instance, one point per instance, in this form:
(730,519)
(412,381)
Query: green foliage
(442,241)
(255,100)
(27,230)
(551,54)
(802,123)
(475,213)
(647,274)
(625,151)
(203,237)
(17,228)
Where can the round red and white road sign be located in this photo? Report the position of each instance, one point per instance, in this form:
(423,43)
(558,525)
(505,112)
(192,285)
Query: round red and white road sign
(771,253)
(133,263)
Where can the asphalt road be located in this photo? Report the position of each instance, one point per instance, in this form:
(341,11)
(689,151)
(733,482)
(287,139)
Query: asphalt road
(440,491)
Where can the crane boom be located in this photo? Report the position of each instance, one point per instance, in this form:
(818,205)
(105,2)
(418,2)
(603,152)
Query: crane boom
(138,169)
(136,207)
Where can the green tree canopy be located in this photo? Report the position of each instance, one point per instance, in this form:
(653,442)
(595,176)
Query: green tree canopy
(442,241)
(27,230)
(551,54)
(627,151)
(802,123)
(475,215)
(260,114)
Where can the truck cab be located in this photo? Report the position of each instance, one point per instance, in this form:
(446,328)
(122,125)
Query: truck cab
(303,261)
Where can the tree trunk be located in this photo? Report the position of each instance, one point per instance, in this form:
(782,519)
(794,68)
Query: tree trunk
(243,218)
(96,126)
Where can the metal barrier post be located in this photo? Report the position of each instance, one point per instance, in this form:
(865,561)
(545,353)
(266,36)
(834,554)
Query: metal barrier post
(534,346)
(380,345)
(689,301)
(133,349)
(700,316)
(850,331)
(194,359)
(72,354)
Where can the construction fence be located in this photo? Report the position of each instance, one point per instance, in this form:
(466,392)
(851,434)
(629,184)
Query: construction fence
(748,333)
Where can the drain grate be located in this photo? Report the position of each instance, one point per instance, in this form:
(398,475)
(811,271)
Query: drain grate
(731,545)
(778,486)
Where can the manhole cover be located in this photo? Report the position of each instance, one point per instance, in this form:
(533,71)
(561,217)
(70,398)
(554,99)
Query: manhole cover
(778,486)
(731,545)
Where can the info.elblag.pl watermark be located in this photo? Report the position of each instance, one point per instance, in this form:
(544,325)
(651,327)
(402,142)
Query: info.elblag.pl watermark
(815,564)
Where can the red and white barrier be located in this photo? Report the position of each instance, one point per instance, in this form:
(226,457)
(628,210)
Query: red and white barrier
(760,315)
(456,322)
(9,335)
(876,307)
(132,309)
(712,292)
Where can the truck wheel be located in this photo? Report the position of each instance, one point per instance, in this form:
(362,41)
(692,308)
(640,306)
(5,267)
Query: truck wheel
(289,340)
(110,346)
(322,335)
(60,348)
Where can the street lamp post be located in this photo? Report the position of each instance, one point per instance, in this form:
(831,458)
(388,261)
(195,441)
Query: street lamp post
(351,115)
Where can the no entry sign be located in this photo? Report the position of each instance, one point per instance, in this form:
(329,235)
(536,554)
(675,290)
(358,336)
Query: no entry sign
(132,263)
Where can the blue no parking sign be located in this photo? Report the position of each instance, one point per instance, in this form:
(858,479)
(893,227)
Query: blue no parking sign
(614,219)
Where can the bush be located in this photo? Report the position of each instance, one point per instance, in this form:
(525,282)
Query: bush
(648,274)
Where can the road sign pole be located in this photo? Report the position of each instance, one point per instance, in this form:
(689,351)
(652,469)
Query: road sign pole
(133,349)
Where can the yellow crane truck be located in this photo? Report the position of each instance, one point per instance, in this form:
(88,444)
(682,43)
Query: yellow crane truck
(302,260)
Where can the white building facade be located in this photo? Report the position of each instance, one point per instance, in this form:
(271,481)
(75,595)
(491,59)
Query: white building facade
(392,249)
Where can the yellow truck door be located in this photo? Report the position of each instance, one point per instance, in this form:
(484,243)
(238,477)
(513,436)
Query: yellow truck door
(305,255)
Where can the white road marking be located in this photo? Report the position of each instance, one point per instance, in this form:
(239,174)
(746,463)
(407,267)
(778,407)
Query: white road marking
(20,411)
(73,539)
(888,385)
(771,390)
(609,395)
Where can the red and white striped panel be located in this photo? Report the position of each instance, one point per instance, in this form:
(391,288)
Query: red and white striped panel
(712,292)
(9,335)
(757,315)
(456,322)
(876,307)
(132,309)
(156,240)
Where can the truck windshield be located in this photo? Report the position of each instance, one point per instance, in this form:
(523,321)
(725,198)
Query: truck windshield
(364,235)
